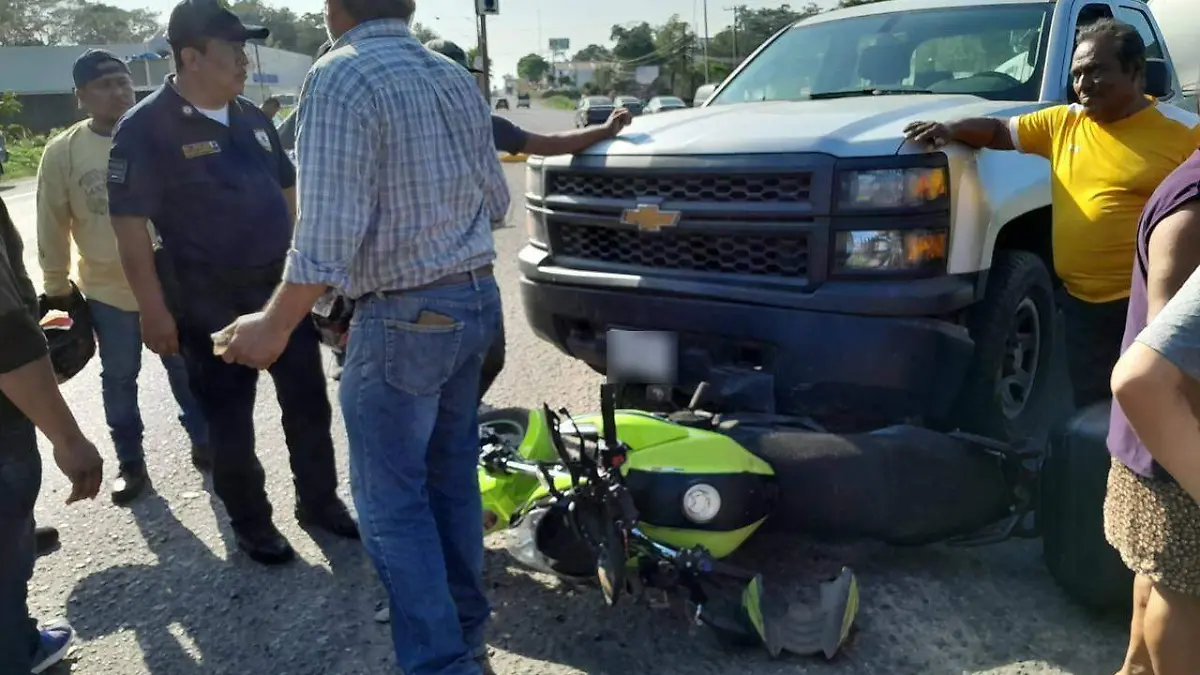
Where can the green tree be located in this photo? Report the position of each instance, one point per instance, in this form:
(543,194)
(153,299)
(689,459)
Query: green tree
(634,43)
(94,23)
(752,27)
(855,3)
(10,105)
(25,22)
(593,53)
(532,68)
(422,32)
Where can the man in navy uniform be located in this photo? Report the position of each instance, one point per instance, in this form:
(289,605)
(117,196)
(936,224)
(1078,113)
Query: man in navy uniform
(205,165)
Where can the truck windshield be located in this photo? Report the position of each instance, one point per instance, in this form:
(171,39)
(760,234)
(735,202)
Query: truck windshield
(993,52)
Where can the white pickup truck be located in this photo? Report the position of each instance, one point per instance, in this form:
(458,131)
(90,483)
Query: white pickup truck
(810,260)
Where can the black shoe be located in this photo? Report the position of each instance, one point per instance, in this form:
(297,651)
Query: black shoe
(264,544)
(46,539)
(202,457)
(332,516)
(131,482)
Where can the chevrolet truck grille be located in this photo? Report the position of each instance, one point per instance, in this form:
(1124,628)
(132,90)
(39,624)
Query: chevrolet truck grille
(788,188)
(728,253)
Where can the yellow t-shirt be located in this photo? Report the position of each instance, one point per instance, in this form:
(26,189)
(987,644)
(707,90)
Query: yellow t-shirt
(1102,177)
(72,204)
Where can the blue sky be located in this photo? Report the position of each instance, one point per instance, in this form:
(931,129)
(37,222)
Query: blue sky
(516,31)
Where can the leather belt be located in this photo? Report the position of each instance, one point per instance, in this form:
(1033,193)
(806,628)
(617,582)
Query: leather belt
(456,279)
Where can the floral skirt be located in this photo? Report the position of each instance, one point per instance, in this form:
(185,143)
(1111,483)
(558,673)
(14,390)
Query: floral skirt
(1155,526)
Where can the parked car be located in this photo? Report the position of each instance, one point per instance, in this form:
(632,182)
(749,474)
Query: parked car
(663,104)
(522,100)
(631,103)
(702,94)
(593,110)
(502,104)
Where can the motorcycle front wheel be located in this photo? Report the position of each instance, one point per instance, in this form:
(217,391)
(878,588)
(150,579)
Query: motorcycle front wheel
(507,423)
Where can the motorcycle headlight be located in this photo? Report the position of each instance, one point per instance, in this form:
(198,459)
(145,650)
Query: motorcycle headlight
(892,188)
(865,251)
(701,503)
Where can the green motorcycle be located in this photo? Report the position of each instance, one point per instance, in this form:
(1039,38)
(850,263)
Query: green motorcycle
(635,500)
(641,500)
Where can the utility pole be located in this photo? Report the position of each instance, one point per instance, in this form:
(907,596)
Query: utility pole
(706,77)
(737,15)
(483,56)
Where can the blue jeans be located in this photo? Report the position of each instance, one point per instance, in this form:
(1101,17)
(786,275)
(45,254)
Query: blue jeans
(120,336)
(410,396)
(20,481)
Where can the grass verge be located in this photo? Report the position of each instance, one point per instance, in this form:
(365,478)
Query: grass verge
(24,157)
(559,103)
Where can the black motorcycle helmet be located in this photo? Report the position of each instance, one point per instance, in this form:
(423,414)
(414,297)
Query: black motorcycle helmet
(72,344)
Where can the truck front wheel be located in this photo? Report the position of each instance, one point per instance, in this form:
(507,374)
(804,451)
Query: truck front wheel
(1013,328)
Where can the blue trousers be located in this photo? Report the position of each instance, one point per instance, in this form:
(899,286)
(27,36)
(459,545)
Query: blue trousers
(410,396)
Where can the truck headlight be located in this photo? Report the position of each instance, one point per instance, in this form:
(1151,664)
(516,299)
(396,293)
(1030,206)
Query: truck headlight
(701,503)
(858,251)
(535,226)
(535,179)
(892,188)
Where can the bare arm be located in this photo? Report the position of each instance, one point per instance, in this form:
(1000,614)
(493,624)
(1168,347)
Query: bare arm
(1174,253)
(33,388)
(566,142)
(975,132)
(1162,405)
(289,195)
(137,259)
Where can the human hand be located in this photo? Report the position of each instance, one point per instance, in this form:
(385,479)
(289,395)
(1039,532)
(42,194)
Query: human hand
(251,340)
(928,133)
(618,120)
(81,464)
(159,331)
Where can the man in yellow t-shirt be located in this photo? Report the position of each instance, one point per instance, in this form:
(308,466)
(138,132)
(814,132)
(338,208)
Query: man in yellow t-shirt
(1107,155)
(72,204)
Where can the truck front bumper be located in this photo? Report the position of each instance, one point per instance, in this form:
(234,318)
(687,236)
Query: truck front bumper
(891,350)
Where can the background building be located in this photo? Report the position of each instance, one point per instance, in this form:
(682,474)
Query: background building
(41,77)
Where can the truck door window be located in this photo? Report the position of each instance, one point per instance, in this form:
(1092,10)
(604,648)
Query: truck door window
(989,51)
(1138,19)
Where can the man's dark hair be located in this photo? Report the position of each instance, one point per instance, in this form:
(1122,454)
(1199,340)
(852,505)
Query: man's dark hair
(1128,43)
(200,45)
(373,10)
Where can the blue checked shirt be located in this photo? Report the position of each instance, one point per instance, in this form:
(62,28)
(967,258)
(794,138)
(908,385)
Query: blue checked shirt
(399,180)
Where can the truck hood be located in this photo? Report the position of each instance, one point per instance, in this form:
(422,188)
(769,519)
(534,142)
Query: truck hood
(849,127)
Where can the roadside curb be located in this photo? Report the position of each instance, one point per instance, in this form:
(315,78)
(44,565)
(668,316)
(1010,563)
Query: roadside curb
(513,159)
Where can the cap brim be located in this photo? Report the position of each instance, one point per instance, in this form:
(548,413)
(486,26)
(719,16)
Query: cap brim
(243,33)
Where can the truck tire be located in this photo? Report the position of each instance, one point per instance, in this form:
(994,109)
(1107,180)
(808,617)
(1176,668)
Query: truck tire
(1013,328)
(1070,514)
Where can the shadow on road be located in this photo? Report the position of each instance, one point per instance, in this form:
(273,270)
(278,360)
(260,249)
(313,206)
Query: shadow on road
(194,612)
(927,610)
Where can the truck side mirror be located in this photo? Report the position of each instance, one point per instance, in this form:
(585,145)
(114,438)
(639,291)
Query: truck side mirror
(1158,78)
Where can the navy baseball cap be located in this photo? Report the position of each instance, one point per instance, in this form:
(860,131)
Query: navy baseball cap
(451,51)
(95,64)
(193,20)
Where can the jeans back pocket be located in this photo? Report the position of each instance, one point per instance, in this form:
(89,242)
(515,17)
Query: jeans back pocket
(421,355)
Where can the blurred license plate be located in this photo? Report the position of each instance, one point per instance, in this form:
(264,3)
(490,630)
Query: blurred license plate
(643,356)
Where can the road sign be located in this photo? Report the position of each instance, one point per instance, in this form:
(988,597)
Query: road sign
(560,44)
(483,7)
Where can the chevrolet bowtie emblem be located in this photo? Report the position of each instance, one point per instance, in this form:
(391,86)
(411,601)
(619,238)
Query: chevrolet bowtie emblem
(649,218)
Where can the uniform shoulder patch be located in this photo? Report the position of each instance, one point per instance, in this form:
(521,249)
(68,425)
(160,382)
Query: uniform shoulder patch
(263,138)
(117,170)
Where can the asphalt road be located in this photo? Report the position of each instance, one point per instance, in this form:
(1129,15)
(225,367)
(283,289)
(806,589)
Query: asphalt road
(160,589)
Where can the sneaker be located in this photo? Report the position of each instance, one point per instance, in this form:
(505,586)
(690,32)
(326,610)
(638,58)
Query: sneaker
(55,642)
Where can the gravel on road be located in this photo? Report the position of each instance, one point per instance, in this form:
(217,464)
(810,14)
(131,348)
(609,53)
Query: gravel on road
(160,589)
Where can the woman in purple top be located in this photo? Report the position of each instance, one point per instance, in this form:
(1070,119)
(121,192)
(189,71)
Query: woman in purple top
(1151,514)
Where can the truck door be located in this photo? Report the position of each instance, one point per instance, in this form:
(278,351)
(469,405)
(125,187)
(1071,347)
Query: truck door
(1136,15)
